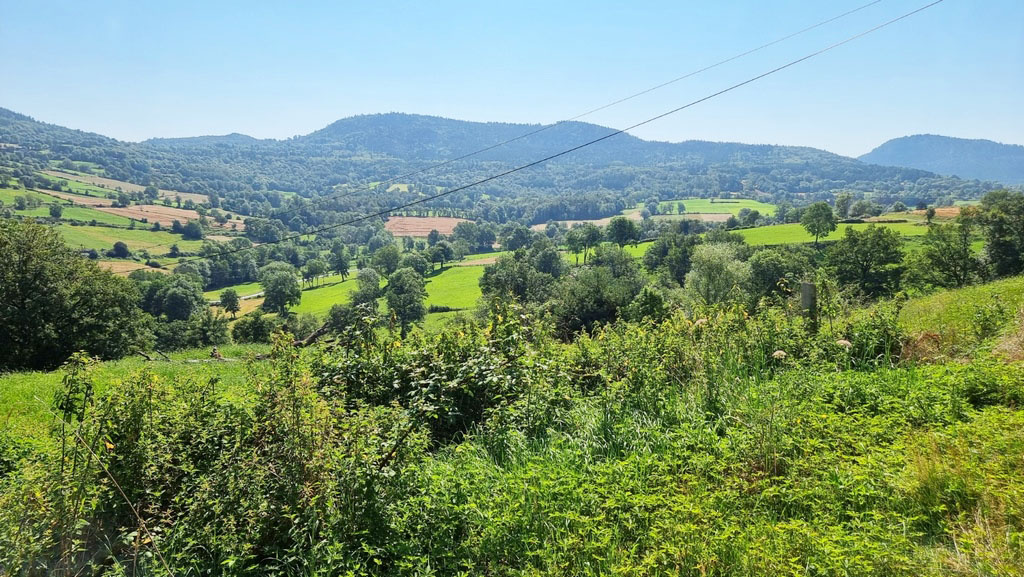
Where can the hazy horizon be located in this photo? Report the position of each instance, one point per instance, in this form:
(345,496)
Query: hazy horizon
(137,72)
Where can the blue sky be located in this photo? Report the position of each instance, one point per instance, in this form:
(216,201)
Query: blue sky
(135,70)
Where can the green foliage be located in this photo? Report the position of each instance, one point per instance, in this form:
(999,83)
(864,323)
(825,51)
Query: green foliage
(724,443)
(386,260)
(622,231)
(229,301)
(868,259)
(280,287)
(1001,217)
(254,327)
(948,258)
(717,275)
(53,302)
(405,294)
(818,220)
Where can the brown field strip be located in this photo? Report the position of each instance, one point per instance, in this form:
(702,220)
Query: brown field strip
(421,225)
(125,186)
(166,215)
(78,199)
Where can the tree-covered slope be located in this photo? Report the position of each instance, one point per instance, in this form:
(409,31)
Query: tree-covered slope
(355,152)
(980,159)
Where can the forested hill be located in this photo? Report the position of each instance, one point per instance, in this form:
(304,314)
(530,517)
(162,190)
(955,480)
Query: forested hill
(361,150)
(980,159)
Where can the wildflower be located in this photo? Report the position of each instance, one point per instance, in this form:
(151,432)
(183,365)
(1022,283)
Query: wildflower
(844,343)
(779,355)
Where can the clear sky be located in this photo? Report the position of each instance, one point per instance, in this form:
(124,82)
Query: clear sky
(135,70)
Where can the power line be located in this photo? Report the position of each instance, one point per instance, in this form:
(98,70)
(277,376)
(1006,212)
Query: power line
(579,146)
(348,194)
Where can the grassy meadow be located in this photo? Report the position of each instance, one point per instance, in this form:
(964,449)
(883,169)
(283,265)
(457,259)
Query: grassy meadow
(794,233)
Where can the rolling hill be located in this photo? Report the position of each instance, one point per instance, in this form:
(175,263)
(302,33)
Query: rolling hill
(248,175)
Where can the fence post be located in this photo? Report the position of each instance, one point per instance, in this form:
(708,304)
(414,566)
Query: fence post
(809,303)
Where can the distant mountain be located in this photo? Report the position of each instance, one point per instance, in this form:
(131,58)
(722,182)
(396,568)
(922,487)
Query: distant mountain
(980,159)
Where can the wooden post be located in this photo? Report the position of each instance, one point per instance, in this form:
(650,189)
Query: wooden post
(809,303)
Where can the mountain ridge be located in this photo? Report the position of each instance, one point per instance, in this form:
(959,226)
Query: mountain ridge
(980,159)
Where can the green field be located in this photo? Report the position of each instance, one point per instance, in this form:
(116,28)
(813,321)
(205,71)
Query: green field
(81,188)
(480,255)
(794,233)
(102,238)
(705,205)
(79,213)
(456,287)
(246,289)
(319,300)
(7,195)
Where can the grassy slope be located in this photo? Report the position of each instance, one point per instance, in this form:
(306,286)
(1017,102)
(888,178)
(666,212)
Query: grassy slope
(954,317)
(319,299)
(7,195)
(456,287)
(26,417)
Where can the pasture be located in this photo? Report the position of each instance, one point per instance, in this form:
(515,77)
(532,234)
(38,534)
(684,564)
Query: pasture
(103,238)
(7,195)
(794,233)
(318,300)
(455,287)
(243,290)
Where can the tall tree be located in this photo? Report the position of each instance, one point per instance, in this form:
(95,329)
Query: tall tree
(339,260)
(818,220)
(386,259)
(280,287)
(230,302)
(405,295)
(622,231)
(1002,223)
(948,255)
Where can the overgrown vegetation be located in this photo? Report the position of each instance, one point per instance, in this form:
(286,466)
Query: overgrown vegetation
(719,442)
